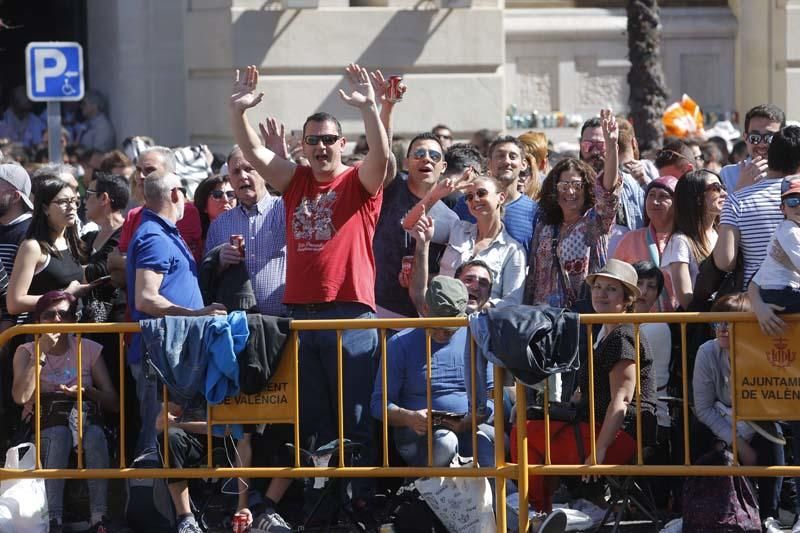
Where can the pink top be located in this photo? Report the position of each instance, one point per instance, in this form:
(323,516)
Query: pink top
(63,369)
(635,247)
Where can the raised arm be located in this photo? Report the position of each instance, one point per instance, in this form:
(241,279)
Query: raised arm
(422,233)
(726,248)
(382,92)
(276,171)
(611,135)
(362,96)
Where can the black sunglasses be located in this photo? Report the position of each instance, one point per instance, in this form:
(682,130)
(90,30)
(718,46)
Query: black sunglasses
(327,140)
(63,314)
(217,194)
(480,193)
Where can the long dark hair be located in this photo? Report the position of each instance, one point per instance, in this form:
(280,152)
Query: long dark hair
(40,229)
(548,204)
(201,195)
(690,202)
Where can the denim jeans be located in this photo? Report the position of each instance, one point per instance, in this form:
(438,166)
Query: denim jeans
(318,378)
(56,447)
(414,448)
(149,409)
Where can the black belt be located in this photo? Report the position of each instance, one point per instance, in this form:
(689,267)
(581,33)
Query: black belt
(313,308)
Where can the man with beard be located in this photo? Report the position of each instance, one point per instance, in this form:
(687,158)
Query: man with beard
(15,217)
(392,245)
(592,151)
(506,161)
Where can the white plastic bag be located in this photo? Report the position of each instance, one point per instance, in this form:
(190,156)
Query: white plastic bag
(464,505)
(24,499)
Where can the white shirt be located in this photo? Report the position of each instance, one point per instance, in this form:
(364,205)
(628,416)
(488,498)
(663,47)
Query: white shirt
(504,256)
(679,251)
(659,339)
(781,266)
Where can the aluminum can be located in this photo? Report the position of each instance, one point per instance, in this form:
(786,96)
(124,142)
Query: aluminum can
(239,523)
(394,89)
(408,262)
(238,242)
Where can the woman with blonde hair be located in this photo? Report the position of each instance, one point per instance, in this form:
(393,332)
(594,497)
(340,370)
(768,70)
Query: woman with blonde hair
(535,143)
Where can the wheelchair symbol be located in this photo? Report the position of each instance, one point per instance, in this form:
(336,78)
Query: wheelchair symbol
(67,89)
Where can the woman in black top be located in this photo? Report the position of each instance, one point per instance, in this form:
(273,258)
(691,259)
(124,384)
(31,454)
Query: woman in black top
(51,256)
(614,290)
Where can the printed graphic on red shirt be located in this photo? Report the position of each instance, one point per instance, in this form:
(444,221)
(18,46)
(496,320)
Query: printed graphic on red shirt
(312,222)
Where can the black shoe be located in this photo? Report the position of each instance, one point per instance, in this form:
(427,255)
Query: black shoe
(103,526)
(55,527)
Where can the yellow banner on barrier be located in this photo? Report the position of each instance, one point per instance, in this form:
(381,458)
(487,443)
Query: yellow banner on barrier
(767,373)
(274,405)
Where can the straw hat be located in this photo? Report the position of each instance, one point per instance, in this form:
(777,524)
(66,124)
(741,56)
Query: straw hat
(620,271)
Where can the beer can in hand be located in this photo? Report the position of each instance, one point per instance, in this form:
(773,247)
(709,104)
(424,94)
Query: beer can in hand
(238,242)
(239,523)
(395,95)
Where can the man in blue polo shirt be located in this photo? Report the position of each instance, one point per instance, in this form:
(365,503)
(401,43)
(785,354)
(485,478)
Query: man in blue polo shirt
(162,280)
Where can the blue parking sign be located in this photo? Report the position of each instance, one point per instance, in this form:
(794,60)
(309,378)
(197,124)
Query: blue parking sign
(54,71)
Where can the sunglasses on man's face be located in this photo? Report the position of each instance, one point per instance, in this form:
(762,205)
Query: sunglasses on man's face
(421,153)
(792,201)
(327,140)
(589,146)
(480,193)
(758,138)
(217,194)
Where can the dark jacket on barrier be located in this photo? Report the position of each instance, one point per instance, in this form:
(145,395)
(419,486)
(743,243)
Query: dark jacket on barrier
(231,287)
(263,351)
(532,342)
(196,355)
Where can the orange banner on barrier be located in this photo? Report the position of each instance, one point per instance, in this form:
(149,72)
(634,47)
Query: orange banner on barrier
(767,373)
(274,405)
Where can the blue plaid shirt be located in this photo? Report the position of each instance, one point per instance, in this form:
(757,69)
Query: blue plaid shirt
(264,229)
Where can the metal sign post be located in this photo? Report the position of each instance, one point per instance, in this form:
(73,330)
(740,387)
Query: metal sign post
(54,74)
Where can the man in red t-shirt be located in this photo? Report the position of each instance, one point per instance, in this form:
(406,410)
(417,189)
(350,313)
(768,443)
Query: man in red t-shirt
(331,213)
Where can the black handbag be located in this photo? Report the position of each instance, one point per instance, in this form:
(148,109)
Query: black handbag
(559,412)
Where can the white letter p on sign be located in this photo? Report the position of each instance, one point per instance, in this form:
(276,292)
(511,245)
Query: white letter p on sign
(42,71)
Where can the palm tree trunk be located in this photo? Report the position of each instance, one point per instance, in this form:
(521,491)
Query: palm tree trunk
(648,92)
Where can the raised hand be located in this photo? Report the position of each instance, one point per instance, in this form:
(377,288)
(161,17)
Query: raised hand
(609,124)
(274,135)
(244,94)
(423,229)
(362,94)
(381,86)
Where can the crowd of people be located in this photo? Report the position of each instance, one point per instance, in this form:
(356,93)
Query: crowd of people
(425,227)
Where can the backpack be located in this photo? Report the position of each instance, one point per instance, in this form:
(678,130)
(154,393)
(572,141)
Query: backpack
(725,504)
(149,505)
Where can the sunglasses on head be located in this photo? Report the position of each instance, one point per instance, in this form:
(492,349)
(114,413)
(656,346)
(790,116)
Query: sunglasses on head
(758,138)
(421,153)
(672,155)
(62,314)
(792,201)
(327,140)
(217,194)
(480,193)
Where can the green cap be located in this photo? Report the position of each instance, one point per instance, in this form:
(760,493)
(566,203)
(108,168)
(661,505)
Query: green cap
(446,297)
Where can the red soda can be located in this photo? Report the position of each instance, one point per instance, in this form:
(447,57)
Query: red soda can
(238,242)
(394,89)
(407,264)
(239,523)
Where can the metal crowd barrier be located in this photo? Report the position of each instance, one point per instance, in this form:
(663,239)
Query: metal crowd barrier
(502,470)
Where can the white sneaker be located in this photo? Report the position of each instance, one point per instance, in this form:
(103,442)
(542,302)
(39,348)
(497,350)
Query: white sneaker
(596,513)
(796,526)
(772,526)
